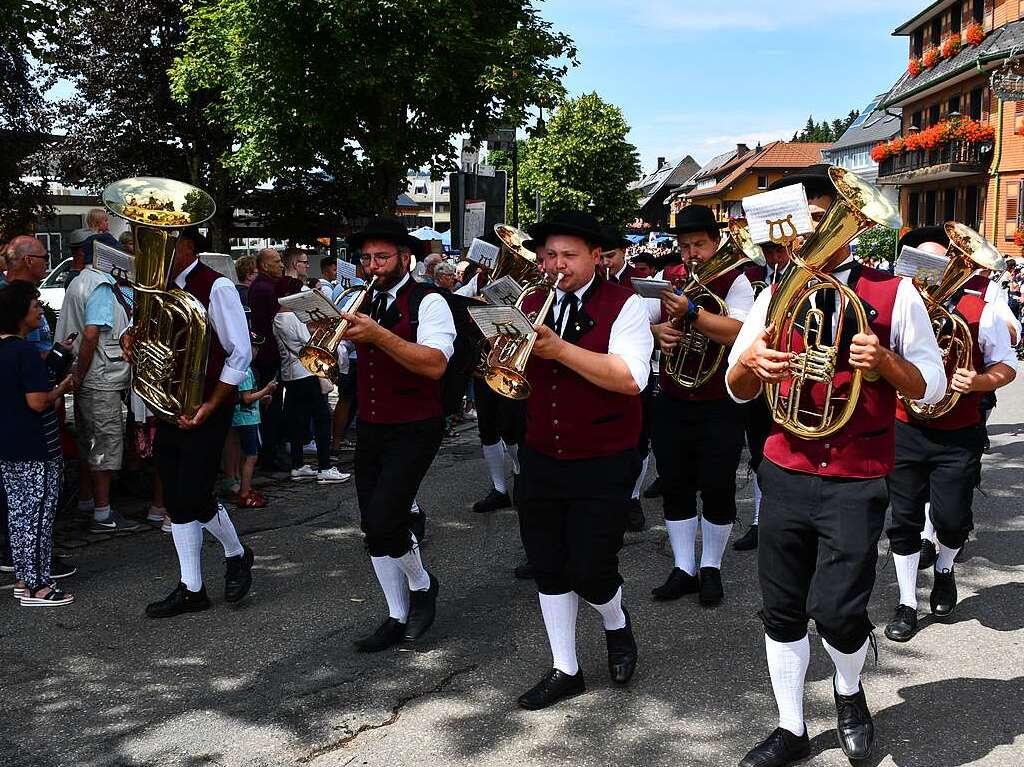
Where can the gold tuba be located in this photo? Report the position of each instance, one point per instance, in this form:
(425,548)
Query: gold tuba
(696,357)
(170,333)
(858,207)
(514,260)
(968,252)
(320,355)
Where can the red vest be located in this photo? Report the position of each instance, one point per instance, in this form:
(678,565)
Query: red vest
(567,417)
(866,446)
(714,389)
(966,413)
(978,284)
(200,283)
(626,278)
(388,393)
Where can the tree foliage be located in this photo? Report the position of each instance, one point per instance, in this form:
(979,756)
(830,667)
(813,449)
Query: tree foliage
(825,132)
(366,88)
(878,244)
(583,163)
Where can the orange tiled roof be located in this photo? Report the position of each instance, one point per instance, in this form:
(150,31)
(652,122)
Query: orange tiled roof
(790,154)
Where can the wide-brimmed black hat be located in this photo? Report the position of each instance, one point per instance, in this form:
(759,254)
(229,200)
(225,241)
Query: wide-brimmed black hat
(390,230)
(815,179)
(915,238)
(695,218)
(644,258)
(616,240)
(573,223)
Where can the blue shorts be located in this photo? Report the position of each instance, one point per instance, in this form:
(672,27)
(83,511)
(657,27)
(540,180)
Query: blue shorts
(249,439)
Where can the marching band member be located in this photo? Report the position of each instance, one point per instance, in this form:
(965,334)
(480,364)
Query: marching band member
(188,454)
(824,500)
(501,423)
(938,460)
(403,354)
(589,364)
(614,259)
(698,433)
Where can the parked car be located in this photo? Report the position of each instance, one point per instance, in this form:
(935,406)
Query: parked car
(51,289)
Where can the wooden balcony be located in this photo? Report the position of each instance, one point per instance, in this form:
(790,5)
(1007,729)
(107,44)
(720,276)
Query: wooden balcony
(957,158)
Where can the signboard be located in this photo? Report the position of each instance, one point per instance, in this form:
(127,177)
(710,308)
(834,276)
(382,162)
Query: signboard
(473,221)
(470,157)
(502,139)
(492,191)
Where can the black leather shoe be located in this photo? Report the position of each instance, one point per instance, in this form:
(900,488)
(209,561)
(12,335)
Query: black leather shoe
(748,541)
(179,601)
(777,750)
(654,489)
(525,572)
(492,502)
(903,625)
(679,583)
(555,686)
(635,519)
(854,728)
(710,586)
(388,634)
(622,652)
(943,599)
(422,608)
(238,575)
(928,555)
(418,525)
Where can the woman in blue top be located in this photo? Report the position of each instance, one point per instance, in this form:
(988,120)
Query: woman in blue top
(31,463)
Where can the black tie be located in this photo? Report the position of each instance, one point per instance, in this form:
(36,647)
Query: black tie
(566,318)
(614,278)
(380,305)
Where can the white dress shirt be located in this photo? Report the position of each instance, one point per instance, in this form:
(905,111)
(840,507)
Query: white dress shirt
(911,337)
(994,339)
(996,297)
(739,299)
(436,327)
(291,335)
(630,338)
(227,318)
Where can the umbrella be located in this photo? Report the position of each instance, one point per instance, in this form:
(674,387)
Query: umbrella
(426,233)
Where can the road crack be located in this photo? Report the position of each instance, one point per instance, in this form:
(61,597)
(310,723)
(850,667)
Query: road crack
(395,715)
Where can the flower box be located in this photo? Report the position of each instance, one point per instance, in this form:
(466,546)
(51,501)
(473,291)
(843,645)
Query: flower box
(914,67)
(957,129)
(951,46)
(974,34)
(930,58)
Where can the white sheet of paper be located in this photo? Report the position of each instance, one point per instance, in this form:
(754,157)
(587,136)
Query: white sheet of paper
(483,253)
(503,292)
(765,211)
(648,287)
(310,305)
(114,262)
(922,267)
(500,320)
(346,272)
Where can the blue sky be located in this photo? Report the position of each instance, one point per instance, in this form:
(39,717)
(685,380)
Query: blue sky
(698,77)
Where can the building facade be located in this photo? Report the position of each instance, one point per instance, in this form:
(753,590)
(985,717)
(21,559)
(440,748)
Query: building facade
(654,189)
(853,150)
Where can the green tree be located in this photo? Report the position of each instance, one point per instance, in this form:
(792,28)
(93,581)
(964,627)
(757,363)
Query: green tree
(583,163)
(825,132)
(878,243)
(306,81)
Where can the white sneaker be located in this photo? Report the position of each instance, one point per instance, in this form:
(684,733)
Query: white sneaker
(303,472)
(332,477)
(155,515)
(166,526)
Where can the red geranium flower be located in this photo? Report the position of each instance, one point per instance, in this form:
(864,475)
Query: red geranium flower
(951,46)
(974,34)
(914,67)
(930,58)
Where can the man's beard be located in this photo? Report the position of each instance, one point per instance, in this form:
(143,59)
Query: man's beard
(387,280)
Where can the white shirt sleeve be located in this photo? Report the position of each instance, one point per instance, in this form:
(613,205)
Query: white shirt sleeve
(227,318)
(631,340)
(436,327)
(997,300)
(653,308)
(740,298)
(994,339)
(912,337)
(752,328)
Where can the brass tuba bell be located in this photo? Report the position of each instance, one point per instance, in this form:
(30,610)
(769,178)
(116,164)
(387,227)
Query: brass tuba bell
(170,333)
(320,355)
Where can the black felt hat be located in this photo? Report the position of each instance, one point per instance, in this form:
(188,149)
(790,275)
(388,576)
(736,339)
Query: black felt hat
(695,218)
(915,238)
(616,240)
(573,223)
(644,258)
(815,179)
(390,230)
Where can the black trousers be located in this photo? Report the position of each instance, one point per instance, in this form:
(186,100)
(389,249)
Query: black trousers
(936,466)
(187,461)
(304,401)
(390,463)
(573,542)
(498,418)
(816,554)
(758,426)
(271,435)
(697,446)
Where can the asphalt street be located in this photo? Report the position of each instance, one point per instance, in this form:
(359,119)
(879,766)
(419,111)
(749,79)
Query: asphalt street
(275,681)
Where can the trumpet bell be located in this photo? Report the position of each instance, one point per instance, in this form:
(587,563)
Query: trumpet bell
(161,203)
(976,247)
(320,362)
(508,383)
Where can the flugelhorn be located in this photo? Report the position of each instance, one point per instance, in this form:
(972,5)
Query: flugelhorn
(320,355)
(858,207)
(968,252)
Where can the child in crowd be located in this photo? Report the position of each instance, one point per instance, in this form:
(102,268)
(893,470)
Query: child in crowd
(246,424)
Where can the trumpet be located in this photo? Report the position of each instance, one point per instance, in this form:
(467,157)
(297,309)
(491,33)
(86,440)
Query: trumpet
(320,355)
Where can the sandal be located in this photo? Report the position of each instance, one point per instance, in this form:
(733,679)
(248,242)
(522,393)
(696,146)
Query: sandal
(252,500)
(55,598)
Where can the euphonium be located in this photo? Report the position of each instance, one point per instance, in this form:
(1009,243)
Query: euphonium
(320,355)
(968,252)
(506,362)
(170,333)
(696,357)
(858,206)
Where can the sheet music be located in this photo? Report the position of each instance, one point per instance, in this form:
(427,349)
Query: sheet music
(503,292)
(784,211)
(648,287)
(310,306)
(500,321)
(483,253)
(346,272)
(922,267)
(114,262)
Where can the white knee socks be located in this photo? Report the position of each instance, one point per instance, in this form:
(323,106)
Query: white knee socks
(411,564)
(944,558)
(188,542)
(787,665)
(611,612)
(640,480)
(757,500)
(682,534)
(223,529)
(513,453)
(928,533)
(906,576)
(714,539)
(494,455)
(415,508)
(395,586)
(848,667)
(559,611)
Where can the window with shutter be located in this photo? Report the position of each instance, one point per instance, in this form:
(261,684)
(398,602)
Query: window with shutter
(1012,209)
(913,208)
